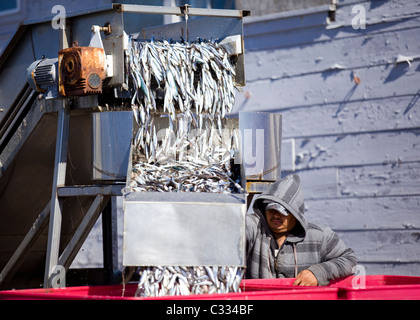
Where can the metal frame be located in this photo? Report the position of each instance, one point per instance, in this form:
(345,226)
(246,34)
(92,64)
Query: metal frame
(82,231)
(60,166)
(19,255)
(52,215)
(15,115)
(182,11)
(104,194)
(97,207)
(135,8)
(104,202)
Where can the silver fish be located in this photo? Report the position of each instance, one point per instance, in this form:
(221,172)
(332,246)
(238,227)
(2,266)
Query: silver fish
(195,280)
(174,80)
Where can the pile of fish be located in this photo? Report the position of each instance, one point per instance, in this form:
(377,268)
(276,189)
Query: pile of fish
(184,177)
(190,88)
(186,77)
(173,280)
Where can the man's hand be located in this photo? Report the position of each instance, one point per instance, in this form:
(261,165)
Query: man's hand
(305,278)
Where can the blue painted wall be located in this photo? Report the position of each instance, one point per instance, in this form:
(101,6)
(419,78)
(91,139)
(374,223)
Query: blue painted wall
(355,144)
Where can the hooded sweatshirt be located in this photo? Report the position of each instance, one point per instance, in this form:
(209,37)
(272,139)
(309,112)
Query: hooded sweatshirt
(307,246)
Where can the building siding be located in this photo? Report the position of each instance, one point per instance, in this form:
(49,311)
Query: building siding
(355,146)
(35,9)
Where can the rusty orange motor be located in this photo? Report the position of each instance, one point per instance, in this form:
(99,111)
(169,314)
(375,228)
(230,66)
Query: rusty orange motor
(81,70)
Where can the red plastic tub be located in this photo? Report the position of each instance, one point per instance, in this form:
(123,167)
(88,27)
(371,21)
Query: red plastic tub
(297,293)
(270,284)
(371,287)
(375,287)
(114,292)
(108,292)
(378,287)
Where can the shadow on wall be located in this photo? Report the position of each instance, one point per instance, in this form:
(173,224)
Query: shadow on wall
(412,102)
(397,71)
(345,100)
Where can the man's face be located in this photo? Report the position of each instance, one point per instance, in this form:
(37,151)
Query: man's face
(278,223)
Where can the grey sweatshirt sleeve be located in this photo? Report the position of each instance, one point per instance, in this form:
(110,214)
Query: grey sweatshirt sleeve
(250,232)
(337,259)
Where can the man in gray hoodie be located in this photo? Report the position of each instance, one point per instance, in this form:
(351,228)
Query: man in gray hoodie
(280,243)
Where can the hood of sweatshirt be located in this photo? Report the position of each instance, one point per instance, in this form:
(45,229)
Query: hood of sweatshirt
(287,192)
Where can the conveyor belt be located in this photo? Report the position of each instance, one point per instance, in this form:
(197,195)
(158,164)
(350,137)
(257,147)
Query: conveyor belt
(16,115)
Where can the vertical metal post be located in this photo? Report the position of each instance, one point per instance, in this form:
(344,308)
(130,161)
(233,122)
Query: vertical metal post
(109,239)
(64,36)
(60,164)
(185,12)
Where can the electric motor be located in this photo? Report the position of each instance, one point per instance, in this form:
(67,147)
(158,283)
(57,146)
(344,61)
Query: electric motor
(43,75)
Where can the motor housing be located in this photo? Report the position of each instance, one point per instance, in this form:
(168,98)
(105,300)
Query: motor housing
(81,70)
(43,76)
